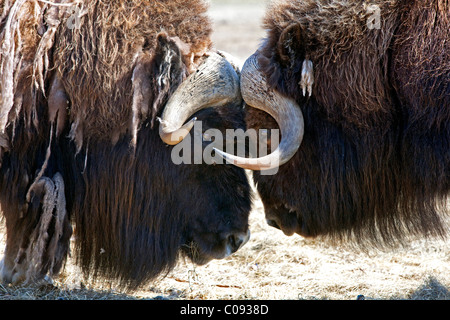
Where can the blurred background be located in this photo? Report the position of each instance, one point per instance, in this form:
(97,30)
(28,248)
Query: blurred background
(237,25)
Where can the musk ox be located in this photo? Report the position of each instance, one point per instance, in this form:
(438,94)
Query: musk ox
(361,94)
(83,85)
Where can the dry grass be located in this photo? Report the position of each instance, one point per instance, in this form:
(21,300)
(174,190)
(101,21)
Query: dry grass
(271,265)
(274,266)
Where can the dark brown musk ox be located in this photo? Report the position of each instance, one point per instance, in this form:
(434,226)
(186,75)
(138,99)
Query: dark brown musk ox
(361,94)
(83,84)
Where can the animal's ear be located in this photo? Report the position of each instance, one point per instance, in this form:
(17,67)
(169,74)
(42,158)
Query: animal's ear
(156,76)
(168,69)
(291,44)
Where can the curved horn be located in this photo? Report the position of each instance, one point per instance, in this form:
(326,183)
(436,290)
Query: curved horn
(214,83)
(284,110)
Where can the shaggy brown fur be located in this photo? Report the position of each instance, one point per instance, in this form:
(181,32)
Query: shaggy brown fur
(375,158)
(334,36)
(112,36)
(86,90)
(421,78)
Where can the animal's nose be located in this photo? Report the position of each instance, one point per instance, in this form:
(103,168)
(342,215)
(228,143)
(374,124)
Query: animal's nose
(236,241)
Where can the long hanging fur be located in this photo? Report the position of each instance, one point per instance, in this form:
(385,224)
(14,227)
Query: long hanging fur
(32,185)
(421,78)
(101,52)
(99,49)
(78,144)
(375,159)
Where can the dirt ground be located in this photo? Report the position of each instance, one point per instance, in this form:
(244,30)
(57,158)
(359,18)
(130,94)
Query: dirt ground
(272,265)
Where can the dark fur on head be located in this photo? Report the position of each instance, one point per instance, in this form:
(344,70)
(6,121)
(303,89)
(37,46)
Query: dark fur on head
(134,211)
(375,158)
(152,210)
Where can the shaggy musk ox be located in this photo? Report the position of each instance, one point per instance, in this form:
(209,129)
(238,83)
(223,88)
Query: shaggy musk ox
(82,89)
(370,106)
